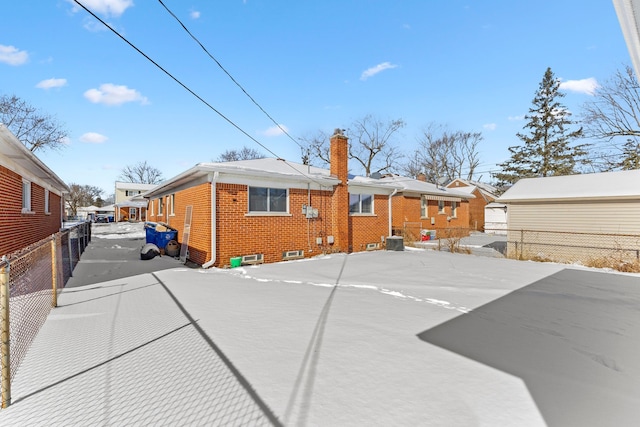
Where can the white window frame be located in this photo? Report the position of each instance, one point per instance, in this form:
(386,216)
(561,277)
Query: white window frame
(160,206)
(46,201)
(424,207)
(171,201)
(268,211)
(441,207)
(26,196)
(152,204)
(360,199)
(454,209)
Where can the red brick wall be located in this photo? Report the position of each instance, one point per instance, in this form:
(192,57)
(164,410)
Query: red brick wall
(408,209)
(199,197)
(364,229)
(240,234)
(18,230)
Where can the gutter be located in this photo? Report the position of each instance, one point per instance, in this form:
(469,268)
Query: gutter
(395,191)
(213,179)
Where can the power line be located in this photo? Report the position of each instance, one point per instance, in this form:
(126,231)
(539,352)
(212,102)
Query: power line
(192,92)
(229,74)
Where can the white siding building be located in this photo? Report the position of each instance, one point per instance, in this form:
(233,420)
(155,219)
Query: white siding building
(575,217)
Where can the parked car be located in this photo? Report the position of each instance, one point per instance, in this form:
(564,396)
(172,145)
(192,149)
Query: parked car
(102,218)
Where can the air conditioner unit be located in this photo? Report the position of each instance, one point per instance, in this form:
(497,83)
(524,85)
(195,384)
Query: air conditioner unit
(287,255)
(252,259)
(373,246)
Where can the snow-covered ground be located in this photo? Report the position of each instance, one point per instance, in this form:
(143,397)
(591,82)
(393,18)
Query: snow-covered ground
(118,230)
(381,338)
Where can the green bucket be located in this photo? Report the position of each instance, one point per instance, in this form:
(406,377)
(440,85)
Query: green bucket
(236,261)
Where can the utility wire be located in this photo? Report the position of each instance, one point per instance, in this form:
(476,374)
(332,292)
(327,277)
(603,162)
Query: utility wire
(193,93)
(229,74)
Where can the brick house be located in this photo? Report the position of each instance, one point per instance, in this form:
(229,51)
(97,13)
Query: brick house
(419,205)
(32,196)
(273,209)
(483,195)
(129,205)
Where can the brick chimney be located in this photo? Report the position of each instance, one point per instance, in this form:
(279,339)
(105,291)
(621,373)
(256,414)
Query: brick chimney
(422,177)
(340,205)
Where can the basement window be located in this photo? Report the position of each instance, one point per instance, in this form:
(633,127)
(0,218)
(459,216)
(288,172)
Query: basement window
(272,200)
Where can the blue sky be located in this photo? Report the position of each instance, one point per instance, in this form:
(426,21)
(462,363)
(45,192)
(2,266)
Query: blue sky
(473,66)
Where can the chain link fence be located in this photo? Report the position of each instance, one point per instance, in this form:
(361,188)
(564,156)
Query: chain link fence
(30,281)
(601,250)
(617,251)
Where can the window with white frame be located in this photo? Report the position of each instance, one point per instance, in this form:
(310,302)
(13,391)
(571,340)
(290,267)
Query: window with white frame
(360,203)
(26,196)
(46,201)
(160,205)
(263,199)
(441,206)
(132,192)
(172,201)
(151,208)
(454,209)
(424,206)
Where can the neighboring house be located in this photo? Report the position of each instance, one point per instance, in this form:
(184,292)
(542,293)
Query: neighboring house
(418,205)
(32,196)
(495,218)
(587,216)
(483,195)
(269,210)
(129,203)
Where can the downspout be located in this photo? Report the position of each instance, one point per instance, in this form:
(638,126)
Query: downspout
(395,190)
(213,180)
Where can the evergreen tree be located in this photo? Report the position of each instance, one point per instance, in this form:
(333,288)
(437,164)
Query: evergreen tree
(630,156)
(547,149)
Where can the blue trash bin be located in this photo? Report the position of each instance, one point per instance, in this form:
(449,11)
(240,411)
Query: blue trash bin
(164,237)
(150,232)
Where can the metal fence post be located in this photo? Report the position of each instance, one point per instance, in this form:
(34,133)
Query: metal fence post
(5,381)
(54,273)
(69,244)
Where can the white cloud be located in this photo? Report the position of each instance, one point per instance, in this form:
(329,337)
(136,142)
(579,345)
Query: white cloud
(194,14)
(93,138)
(377,69)
(490,126)
(51,83)
(104,7)
(111,94)
(586,86)
(275,131)
(12,56)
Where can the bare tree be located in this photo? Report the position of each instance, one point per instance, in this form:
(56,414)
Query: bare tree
(443,154)
(36,130)
(80,196)
(245,153)
(371,145)
(141,173)
(614,116)
(315,149)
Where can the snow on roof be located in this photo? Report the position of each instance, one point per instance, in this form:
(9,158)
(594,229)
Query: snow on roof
(416,186)
(133,186)
(621,184)
(269,164)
